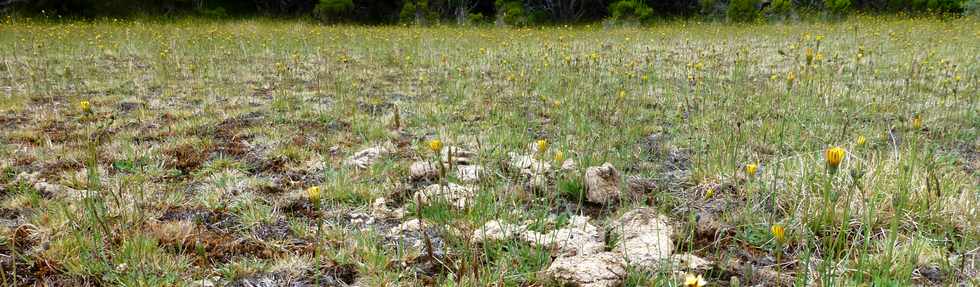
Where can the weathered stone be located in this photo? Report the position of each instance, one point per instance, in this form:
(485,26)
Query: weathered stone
(602,183)
(644,238)
(458,156)
(421,170)
(458,196)
(469,173)
(591,270)
(579,237)
(497,230)
(366,157)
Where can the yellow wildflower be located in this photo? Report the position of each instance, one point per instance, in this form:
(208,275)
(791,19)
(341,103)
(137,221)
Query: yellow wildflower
(834,156)
(313,193)
(916,122)
(542,145)
(690,280)
(779,233)
(861,140)
(435,145)
(559,157)
(751,169)
(85,106)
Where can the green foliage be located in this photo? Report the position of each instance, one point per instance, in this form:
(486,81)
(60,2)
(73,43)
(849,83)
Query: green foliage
(512,12)
(837,7)
(418,12)
(630,10)
(971,8)
(779,10)
(332,10)
(711,8)
(743,10)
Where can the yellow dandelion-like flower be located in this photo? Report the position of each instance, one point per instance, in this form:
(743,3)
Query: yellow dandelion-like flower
(916,122)
(835,155)
(790,78)
(809,56)
(542,145)
(861,140)
(778,232)
(622,94)
(435,145)
(751,169)
(691,280)
(559,157)
(313,193)
(709,193)
(85,106)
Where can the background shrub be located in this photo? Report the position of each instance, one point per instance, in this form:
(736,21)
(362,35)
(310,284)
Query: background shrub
(837,7)
(779,10)
(743,10)
(630,10)
(511,12)
(333,10)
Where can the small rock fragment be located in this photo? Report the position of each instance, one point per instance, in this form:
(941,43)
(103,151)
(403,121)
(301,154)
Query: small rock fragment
(367,157)
(578,238)
(644,238)
(422,170)
(592,270)
(568,165)
(497,230)
(690,262)
(458,155)
(602,183)
(469,173)
(458,196)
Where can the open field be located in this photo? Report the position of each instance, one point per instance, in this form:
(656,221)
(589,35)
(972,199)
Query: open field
(193,161)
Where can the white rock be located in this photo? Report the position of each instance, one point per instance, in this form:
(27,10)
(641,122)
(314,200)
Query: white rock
(497,230)
(528,164)
(458,196)
(380,209)
(578,238)
(602,183)
(644,238)
(592,270)
(469,173)
(459,155)
(568,165)
(423,170)
(690,262)
(366,157)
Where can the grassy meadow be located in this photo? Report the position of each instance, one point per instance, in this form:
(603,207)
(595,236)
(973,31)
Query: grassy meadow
(191,160)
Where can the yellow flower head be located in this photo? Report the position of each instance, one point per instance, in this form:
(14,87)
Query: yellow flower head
(916,122)
(778,232)
(790,78)
(809,56)
(559,157)
(622,94)
(85,106)
(435,145)
(751,169)
(313,193)
(690,280)
(709,193)
(861,140)
(542,145)
(835,156)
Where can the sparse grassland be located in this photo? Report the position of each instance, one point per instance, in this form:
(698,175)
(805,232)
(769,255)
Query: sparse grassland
(193,161)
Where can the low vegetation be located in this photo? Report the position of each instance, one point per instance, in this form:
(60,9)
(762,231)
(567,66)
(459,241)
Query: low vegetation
(272,152)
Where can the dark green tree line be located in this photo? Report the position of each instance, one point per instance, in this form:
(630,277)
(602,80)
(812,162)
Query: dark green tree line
(511,12)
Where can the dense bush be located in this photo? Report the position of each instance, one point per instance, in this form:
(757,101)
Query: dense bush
(333,10)
(630,10)
(971,8)
(512,12)
(743,10)
(779,10)
(837,7)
